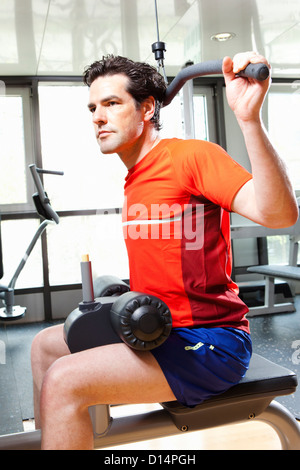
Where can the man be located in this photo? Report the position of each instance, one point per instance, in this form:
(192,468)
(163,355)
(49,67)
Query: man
(209,347)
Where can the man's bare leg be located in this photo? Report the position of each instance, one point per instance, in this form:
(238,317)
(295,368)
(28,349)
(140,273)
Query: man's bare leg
(109,374)
(47,347)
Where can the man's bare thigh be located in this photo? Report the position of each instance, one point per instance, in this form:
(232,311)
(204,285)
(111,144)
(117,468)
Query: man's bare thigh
(112,374)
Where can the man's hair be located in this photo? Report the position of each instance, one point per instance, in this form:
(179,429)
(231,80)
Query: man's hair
(144,80)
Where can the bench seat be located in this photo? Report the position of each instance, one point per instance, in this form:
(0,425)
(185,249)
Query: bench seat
(277,270)
(253,398)
(263,382)
(270,272)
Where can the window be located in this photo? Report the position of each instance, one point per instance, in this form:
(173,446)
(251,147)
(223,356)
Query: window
(16,149)
(16,185)
(91,180)
(100,236)
(204,114)
(280,114)
(283,107)
(202,123)
(16,236)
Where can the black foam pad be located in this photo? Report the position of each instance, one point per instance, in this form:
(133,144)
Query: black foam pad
(142,321)
(106,286)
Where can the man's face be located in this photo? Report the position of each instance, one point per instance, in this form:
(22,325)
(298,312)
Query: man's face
(117,122)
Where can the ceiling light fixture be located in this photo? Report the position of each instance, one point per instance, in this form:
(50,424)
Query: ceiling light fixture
(222,37)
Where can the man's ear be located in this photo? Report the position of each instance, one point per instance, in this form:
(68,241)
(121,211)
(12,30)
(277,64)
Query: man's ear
(148,107)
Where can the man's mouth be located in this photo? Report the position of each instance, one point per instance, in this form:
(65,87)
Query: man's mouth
(103,133)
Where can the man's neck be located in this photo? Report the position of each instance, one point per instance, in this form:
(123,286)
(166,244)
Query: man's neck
(140,149)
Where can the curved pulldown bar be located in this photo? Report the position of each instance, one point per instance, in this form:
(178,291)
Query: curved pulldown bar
(258,71)
(41,200)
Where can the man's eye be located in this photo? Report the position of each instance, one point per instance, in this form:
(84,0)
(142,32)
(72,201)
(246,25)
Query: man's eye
(92,110)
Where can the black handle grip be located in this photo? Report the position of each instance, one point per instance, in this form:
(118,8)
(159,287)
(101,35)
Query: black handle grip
(258,71)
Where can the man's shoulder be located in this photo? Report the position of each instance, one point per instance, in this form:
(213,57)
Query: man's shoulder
(192,149)
(188,144)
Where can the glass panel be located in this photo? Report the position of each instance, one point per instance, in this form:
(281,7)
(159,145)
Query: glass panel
(100,236)
(16,236)
(200,117)
(172,116)
(12,151)
(91,180)
(283,106)
(283,125)
(278,249)
(171,120)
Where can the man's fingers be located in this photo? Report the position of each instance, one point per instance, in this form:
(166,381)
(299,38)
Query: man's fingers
(241,60)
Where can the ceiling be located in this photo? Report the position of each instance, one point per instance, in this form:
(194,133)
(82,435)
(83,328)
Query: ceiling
(62,37)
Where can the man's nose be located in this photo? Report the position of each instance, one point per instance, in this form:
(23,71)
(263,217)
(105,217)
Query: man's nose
(99,115)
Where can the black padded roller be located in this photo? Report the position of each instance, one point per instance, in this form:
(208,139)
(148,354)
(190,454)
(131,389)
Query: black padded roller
(107,286)
(142,321)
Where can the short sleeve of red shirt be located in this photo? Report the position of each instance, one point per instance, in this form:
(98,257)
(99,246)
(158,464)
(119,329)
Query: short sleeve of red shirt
(205,168)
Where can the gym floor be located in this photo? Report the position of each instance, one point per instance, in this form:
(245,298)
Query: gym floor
(275,337)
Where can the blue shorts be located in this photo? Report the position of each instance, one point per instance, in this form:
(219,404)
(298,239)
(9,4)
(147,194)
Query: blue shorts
(202,362)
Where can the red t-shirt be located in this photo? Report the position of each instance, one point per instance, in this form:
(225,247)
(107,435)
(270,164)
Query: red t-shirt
(177,231)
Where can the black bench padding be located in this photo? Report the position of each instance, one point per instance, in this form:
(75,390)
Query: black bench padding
(263,382)
(263,376)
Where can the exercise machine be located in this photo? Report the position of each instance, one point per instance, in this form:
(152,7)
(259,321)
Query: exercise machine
(258,72)
(116,315)
(253,398)
(47,214)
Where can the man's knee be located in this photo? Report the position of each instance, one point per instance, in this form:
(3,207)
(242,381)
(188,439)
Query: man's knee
(38,345)
(58,389)
(47,346)
(50,392)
